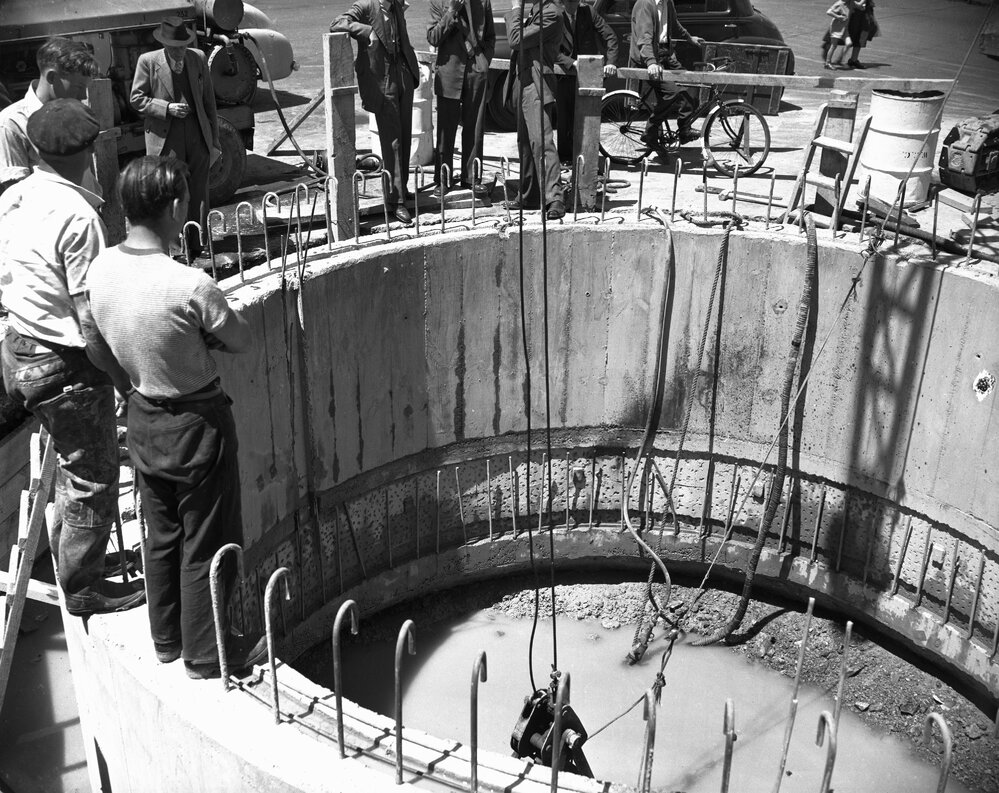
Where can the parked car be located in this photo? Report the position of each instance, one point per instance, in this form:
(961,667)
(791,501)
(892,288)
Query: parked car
(732,21)
(237,40)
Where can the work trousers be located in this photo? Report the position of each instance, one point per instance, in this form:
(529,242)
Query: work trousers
(470,111)
(187,472)
(669,98)
(185,142)
(566,86)
(534,135)
(74,401)
(395,128)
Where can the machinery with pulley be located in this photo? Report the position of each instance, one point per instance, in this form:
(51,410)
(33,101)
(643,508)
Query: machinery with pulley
(534,733)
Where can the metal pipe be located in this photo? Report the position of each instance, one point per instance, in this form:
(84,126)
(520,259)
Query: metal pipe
(901,209)
(641,188)
(386,180)
(478,674)
(826,725)
(842,676)
(359,178)
(445,177)
(347,607)
(770,198)
(974,226)
(211,241)
(793,706)
(974,600)
(954,565)
(187,248)
(927,546)
(561,700)
(220,628)
(818,526)
(677,170)
(936,212)
(239,235)
(649,714)
(298,230)
(936,718)
(837,195)
(901,555)
(281,574)
(735,190)
(407,630)
(867,201)
(728,727)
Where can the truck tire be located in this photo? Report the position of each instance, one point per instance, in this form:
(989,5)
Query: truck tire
(227,173)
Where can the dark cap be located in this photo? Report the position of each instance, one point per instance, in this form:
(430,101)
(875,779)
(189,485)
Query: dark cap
(63,127)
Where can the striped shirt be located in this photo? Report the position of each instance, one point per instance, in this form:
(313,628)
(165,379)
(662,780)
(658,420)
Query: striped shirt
(154,314)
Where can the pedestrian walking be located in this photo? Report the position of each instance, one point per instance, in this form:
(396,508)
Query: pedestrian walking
(535,37)
(838,40)
(862,27)
(65,71)
(172,91)
(54,362)
(585,33)
(160,318)
(387,75)
(462,31)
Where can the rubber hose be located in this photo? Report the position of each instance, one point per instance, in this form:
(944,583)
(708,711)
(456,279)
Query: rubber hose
(777,486)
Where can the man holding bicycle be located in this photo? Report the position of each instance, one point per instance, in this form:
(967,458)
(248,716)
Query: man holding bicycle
(654,27)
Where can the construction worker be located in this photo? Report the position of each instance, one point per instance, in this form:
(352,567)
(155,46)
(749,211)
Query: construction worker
(160,318)
(66,69)
(54,362)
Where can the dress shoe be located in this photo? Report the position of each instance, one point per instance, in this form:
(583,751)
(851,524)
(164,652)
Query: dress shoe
(439,191)
(857,64)
(105,597)
(167,652)
(518,204)
(402,214)
(479,190)
(687,134)
(651,139)
(556,210)
(242,654)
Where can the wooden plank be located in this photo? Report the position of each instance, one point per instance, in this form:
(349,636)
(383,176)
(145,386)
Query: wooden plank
(16,597)
(37,590)
(850,84)
(586,128)
(341,148)
(841,115)
(106,157)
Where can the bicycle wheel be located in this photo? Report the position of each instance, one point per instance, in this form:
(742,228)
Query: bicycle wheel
(623,116)
(736,134)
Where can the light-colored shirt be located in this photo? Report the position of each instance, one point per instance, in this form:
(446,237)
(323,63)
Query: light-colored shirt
(154,313)
(18,155)
(50,232)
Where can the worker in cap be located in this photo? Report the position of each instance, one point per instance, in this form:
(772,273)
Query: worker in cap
(172,91)
(54,362)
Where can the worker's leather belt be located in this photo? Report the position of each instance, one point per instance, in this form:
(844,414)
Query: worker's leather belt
(210,391)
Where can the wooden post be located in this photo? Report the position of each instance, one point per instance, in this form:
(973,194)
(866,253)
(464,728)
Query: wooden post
(840,118)
(586,126)
(101,101)
(341,151)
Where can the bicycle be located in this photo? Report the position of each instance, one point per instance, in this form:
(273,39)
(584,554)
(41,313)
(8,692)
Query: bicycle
(734,133)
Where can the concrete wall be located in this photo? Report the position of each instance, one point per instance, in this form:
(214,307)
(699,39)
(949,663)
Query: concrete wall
(384,435)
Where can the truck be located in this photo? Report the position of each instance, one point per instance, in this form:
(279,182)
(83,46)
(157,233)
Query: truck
(239,41)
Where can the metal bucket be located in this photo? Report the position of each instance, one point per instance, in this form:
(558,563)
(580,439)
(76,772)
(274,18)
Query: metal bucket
(895,143)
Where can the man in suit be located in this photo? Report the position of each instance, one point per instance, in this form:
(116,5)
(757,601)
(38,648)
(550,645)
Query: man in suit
(172,91)
(583,25)
(654,28)
(387,74)
(535,37)
(462,31)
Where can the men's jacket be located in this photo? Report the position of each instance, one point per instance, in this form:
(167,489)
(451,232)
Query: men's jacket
(646,28)
(448,31)
(152,91)
(375,59)
(585,36)
(538,41)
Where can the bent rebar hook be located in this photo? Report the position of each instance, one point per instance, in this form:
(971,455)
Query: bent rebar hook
(187,248)
(213,581)
(936,718)
(272,582)
(347,607)
(407,630)
(210,241)
(274,200)
(239,235)
(826,724)
(478,674)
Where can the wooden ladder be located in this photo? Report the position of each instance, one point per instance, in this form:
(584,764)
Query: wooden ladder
(837,186)
(18,585)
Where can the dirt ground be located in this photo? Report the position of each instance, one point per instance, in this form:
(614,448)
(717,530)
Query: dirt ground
(890,692)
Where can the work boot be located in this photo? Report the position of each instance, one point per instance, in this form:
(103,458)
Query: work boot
(556,210)
(105,597)
(167,652)
(242,654)
(687,134)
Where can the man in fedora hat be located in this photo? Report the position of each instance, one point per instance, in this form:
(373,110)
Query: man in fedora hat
(172,91)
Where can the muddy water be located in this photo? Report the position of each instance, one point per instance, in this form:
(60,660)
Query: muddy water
(689,739)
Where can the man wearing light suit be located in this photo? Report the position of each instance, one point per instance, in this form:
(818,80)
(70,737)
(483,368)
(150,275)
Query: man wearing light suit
(172,91)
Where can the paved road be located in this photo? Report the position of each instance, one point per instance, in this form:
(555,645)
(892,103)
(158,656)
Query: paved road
(920,38)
